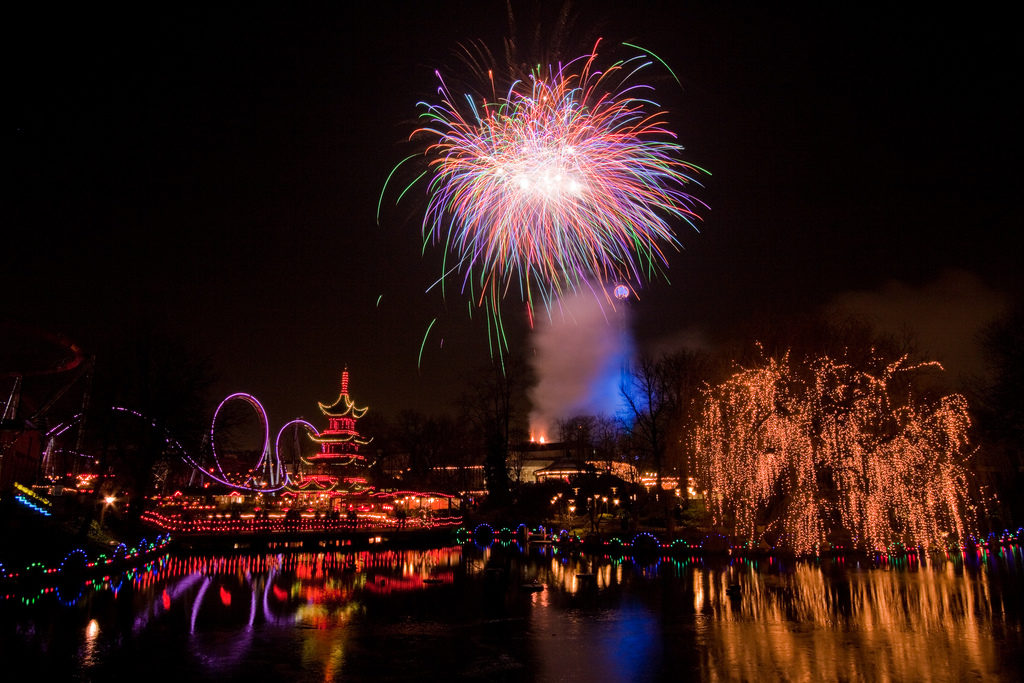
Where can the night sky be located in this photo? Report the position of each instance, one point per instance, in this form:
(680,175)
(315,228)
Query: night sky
(216,173)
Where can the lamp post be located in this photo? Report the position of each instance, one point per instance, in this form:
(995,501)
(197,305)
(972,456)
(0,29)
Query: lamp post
(108,501)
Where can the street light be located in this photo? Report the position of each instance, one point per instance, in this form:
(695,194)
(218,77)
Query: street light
(108,501)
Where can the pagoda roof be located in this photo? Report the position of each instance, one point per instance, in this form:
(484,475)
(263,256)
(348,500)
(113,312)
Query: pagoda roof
(334,459)
(343,438)
(313,483)
(332,485)
(343,406)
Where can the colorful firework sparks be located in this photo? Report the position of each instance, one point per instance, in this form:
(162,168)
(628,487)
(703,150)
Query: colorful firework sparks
(801,455)
(571,180)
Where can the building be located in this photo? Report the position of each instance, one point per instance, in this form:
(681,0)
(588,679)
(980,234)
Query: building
(340,467)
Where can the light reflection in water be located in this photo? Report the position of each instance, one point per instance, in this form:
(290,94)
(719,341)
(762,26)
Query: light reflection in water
(92,630)
(752,620)
(595,618)
(934,623)
(219,601)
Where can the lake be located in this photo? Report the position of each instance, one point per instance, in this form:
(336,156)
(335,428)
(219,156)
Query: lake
(503,612)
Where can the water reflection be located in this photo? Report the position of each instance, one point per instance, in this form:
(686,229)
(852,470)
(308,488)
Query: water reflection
(509,612)
(92,629)
(930,625)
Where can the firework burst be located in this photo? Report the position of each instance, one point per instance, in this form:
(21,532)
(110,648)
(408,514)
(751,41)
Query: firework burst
(568,180)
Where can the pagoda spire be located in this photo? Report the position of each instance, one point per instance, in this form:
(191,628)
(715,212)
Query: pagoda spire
(343,405)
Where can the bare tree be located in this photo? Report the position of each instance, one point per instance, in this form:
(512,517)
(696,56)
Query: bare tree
(577,435)
(496,404)
(1001,415)
(607,437)
(152,373)
(651,394)
(660,395)
(516,463)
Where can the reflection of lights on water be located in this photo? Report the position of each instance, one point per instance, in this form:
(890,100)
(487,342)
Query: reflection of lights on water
(924,625)
(913,620)
(333,662)
(92,631)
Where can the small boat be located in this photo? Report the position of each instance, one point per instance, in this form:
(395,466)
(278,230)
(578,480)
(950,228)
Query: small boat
(433,579)
(532,586)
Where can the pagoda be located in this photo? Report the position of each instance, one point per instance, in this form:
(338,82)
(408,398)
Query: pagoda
(339,466)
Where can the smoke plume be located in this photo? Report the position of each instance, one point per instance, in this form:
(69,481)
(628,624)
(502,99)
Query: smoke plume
(580,351)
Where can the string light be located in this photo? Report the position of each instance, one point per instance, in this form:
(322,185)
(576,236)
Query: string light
(829,450)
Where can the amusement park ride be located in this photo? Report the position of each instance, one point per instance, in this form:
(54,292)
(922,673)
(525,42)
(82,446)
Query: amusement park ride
(326,492)
(55,364)
(337,469)
(320,485)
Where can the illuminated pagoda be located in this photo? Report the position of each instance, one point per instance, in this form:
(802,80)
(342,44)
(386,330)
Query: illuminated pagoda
(339,467)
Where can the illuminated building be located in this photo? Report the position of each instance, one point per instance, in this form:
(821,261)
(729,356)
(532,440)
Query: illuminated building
(339,467)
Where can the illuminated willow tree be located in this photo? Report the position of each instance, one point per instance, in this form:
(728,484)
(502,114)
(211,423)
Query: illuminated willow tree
(800,454)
